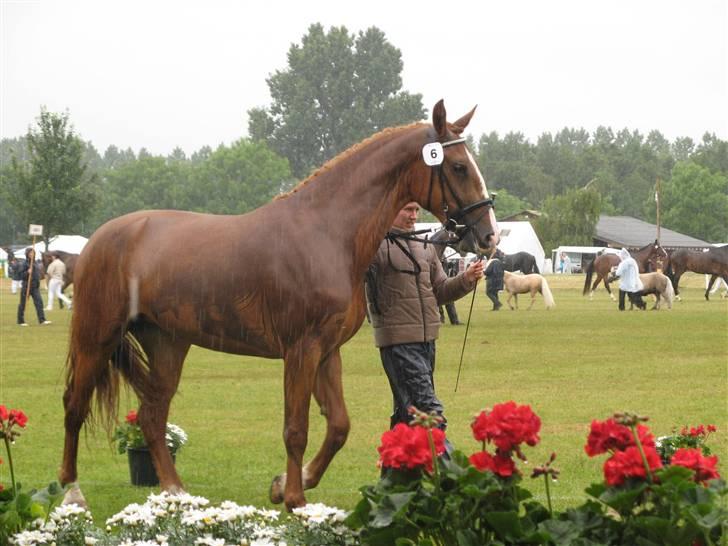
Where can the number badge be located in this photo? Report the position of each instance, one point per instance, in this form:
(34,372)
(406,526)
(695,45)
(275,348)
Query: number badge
(432,153)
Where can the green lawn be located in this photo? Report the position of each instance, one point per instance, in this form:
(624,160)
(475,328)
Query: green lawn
(582,360)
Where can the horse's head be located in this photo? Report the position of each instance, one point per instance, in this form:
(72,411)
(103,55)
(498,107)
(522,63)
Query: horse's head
(456,194)
(47,258)
(658,259)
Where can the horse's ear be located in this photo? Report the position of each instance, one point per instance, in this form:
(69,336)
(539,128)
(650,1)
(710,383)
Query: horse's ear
(439,119)
(459,126)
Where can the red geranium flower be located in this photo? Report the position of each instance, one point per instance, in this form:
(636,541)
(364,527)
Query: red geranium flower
(131,417)
(609,435)
(502,465)
(409,447)
(3,413)
(693,458)
(507,425)
(628,464)
(17,416)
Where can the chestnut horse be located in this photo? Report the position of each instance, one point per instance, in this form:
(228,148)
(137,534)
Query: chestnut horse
(714,262)
(650,257)
(288,283)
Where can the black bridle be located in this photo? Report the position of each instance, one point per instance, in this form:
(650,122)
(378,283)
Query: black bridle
(456,222)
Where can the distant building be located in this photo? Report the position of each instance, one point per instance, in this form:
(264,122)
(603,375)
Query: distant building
(631,233)
(524,215)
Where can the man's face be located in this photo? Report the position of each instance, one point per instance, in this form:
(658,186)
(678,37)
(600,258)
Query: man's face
(407,217)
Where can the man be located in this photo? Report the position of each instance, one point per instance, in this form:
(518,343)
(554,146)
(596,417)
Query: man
(405,284)
(494,273)
(629,280)
(56,273)
(451,270)
(30,272)
(14,274)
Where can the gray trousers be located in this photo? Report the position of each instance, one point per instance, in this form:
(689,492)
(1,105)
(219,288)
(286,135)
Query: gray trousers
(409,368)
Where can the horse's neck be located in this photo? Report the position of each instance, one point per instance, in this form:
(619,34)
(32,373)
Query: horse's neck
(361,194)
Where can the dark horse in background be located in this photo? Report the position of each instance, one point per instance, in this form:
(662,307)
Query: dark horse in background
(69,260)
(714,262)
(520,261)
(649,258)
(288,283)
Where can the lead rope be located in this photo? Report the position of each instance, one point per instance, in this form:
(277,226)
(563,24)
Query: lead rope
(467,326)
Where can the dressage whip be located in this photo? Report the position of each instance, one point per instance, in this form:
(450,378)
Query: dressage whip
(467,326)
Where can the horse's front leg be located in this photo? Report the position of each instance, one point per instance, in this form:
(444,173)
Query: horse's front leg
(329,394)
(301,362)
(508,300)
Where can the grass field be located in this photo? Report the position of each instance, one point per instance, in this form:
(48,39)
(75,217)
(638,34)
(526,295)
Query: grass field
(582,360)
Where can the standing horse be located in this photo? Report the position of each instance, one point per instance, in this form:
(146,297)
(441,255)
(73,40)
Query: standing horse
(521,284)
(658,284)
(649,258)
(714,262)
(288,283)
(520,261)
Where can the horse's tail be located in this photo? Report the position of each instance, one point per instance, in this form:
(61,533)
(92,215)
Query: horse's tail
(548,297)
(127,360)
(589,273)
(669,293)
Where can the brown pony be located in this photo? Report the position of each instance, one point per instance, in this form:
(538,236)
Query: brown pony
(288,282)
(650,257)
(68,259)
(532,284)
(714,262)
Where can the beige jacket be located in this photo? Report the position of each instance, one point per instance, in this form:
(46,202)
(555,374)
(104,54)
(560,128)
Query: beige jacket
(402,306)
(56,270)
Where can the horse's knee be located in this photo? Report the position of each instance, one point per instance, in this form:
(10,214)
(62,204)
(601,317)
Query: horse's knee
(295,439)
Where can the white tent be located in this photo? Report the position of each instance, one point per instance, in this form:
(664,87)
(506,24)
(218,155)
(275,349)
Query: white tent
(514,237)
(67,243)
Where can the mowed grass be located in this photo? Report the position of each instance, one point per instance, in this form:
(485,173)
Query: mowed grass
(582,360)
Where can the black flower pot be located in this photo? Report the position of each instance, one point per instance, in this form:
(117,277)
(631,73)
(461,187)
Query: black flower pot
(141,467)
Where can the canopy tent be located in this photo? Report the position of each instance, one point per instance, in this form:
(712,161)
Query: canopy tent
(72,244)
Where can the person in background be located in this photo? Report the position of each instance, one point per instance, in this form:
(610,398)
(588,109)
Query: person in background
(405,284)
(565,263)
(494,273)
(30,272)
(629,281)
(451,269)
(14,266)
(56,273)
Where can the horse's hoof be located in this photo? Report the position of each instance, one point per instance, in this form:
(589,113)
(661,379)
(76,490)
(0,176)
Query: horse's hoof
(74,496)
(277,487)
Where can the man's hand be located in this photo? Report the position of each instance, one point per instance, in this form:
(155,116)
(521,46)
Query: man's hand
(474,271)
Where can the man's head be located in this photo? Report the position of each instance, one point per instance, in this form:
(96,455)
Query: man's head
(406,218)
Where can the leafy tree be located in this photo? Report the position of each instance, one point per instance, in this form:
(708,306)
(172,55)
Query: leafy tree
(712,153)
(695,202)
(569,218)
(507,204)
(53,186)
(338,88)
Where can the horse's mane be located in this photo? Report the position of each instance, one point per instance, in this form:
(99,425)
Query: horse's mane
(331,163)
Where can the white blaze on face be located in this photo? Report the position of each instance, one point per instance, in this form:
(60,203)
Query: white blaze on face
(491,214)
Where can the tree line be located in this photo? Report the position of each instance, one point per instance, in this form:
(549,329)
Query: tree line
(338,88)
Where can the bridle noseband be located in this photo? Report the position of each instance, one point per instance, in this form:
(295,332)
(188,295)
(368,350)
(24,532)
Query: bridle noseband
(456,222)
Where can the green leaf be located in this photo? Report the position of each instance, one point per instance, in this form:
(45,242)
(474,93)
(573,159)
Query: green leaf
(505,524)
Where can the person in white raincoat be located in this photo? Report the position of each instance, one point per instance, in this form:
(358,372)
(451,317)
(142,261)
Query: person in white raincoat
(629,281)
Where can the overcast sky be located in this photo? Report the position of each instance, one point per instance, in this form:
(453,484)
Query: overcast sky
(160,74)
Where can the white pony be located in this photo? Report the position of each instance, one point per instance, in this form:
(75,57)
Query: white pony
(520,284)
(659,285)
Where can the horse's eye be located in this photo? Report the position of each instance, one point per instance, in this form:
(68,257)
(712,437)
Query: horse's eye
(460,168)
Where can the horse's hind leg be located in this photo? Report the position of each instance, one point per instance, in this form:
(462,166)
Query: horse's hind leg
(710,287)
(533,299)
(329,394)
(166,355)
(89,365)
